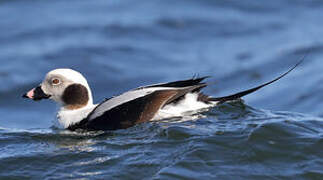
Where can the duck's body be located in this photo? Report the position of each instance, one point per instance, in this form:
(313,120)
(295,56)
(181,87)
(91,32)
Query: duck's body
(71,90)
(144,104)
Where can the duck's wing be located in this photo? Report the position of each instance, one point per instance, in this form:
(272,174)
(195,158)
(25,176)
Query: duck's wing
(193,82)
(130,108)
(178,84)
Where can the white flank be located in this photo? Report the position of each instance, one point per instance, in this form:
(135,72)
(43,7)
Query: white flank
(189,105)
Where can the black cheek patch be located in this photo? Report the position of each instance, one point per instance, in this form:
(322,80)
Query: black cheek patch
(75,95)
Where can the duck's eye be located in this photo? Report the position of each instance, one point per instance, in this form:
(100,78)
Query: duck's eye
(56,81)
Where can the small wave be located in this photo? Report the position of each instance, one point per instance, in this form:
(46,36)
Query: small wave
(31,131)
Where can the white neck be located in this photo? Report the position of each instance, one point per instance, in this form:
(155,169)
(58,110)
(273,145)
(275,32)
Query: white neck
(67,117)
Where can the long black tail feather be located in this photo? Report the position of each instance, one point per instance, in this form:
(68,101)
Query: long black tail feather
(249,91)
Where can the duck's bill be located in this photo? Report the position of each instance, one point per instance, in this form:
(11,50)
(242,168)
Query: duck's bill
(36,94)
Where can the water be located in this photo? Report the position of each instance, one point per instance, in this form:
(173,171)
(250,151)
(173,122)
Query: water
(118,45)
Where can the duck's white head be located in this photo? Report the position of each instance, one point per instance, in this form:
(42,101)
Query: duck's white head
(67,87)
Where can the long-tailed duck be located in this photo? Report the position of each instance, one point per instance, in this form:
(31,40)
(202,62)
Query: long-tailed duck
(71,91)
